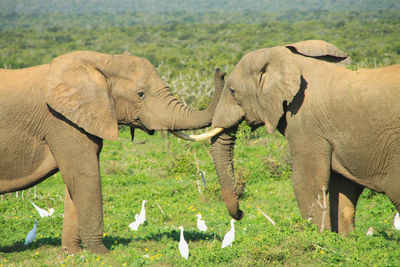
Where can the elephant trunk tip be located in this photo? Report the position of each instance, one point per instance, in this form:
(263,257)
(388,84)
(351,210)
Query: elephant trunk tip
(232,203)
(237,215)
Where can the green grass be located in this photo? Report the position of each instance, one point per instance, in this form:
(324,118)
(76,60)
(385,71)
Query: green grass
(162,170)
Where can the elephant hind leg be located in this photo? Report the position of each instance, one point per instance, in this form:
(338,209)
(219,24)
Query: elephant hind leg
(71,241)
(391,184)
(343,197)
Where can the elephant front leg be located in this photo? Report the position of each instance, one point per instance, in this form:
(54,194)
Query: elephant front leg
(313,202)
(79,167)
(310,179)
(71,241)
(87,202)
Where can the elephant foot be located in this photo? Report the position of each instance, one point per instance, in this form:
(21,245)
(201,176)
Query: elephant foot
(71,249)
(71,244)
(98,249)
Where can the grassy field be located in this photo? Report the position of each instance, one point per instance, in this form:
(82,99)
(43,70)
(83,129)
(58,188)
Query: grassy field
(185,47)
(163,170)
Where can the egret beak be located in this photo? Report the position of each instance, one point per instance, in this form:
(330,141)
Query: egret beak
(198,137)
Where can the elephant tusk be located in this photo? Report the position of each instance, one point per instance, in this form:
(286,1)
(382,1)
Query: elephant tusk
(198,137)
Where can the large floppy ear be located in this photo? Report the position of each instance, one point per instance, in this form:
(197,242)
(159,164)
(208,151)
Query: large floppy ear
(321,50)
(78,89)
(279,81)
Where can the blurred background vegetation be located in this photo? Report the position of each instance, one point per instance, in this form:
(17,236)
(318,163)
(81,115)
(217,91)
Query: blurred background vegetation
(186,40)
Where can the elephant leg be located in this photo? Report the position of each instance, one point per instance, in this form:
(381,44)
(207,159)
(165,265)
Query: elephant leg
(85,189)
(76,155)
(343,197)
(310,179)
(391,183)
(71,241)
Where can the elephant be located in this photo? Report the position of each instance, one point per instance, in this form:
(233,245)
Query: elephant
(342,127)
(54,117)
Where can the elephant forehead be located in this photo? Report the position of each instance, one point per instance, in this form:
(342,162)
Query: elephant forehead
(131,67)
(247,66)
(131,74)
(238,74)
(256,61)
(140,79)
(141,85)
(241,78)
(255,53)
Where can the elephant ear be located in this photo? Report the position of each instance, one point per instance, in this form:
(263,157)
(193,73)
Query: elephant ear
(321,50)
(279,81)
(79,91)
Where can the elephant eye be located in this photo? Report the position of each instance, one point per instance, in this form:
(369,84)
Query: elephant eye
(141,95)
(232,91)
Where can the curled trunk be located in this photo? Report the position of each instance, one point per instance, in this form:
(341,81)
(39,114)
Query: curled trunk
(222,146)
(177,116)
(174,115)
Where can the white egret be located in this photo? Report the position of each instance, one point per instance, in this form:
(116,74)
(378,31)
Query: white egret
(31,235)
(396,221)
(370,231)
(183,246)
(229,236)
(142,215)
(201,224)
(135,225)
(42,212)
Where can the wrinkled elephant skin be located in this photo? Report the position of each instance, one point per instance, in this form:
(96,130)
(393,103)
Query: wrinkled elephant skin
(342,126)
(54,117)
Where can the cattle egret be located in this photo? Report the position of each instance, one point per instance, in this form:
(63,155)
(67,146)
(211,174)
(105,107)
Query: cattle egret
(183,246)
(201,224)
(135,225)
(142,215)
(42,212)
(31,235)
(229,236)
(396,221)
(370,231)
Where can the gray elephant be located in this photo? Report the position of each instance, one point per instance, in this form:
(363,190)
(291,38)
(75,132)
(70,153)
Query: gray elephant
(54,118)
(342,127)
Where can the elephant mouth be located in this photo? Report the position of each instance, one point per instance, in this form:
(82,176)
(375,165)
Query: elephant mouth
(139,125)
(149,132)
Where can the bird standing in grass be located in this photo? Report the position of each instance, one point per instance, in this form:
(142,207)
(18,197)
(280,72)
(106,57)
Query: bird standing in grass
(135,225)
(370,231)
(396,221)
(201,224)
(42,212)
(31,235)
(183,246)
(229,236)
(142,215)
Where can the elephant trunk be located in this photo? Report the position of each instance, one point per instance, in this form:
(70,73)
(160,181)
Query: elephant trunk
(177,116)
(180,117)
(222,146)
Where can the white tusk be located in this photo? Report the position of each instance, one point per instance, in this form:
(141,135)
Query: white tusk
(198,137)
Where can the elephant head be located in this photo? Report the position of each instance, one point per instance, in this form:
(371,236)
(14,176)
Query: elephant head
(259,90)
(97,92)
